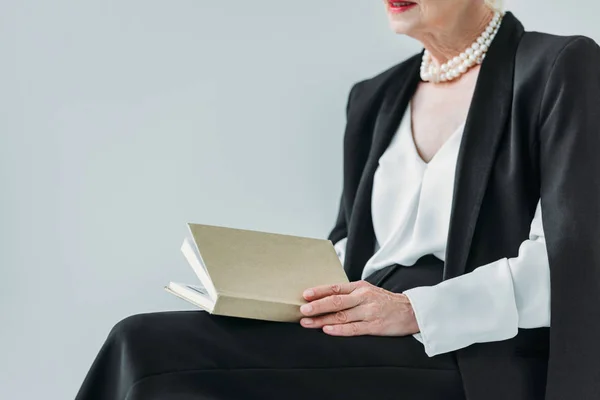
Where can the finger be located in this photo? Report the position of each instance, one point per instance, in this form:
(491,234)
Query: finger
(351,329)
(328,290)
(341,317)
(330,304)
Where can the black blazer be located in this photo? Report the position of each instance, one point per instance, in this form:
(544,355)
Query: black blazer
(533,130)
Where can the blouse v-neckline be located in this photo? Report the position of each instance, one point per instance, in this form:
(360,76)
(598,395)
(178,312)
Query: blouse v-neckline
(411,200)
(407,119)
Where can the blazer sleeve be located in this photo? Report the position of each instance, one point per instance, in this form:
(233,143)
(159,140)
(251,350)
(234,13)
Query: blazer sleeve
(569,145)
(340,229)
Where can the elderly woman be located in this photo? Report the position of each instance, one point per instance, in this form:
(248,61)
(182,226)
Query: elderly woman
(469,227)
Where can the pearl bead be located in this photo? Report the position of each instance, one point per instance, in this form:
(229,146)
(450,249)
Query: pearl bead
(460,64)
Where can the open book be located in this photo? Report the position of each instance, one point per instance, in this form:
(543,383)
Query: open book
(253,274)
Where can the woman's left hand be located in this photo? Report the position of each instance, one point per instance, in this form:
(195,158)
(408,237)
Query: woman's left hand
(358,308)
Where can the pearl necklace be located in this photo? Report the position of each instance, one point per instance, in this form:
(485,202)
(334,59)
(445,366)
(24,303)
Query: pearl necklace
(460,64)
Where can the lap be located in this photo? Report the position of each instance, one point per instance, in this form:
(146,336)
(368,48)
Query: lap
(195,337)
(194,355)
(196,352)
(198,339)
(226,342)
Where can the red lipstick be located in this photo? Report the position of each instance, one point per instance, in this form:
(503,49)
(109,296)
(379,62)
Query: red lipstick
(400,6)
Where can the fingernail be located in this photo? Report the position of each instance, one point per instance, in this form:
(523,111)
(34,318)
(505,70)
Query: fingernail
(309,293)
(329,328)
(306,308)
(307,321)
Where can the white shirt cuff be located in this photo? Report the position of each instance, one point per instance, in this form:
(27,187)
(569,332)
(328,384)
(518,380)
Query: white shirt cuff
(473,308)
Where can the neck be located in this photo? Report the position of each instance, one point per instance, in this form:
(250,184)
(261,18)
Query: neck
(448,43)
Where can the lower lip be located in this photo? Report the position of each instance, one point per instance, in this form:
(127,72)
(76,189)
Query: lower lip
(400,9)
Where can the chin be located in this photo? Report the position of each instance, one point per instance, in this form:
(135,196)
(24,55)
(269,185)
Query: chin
(403,24)
(401,27)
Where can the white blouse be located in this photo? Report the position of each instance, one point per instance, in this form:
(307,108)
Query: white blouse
(411,204)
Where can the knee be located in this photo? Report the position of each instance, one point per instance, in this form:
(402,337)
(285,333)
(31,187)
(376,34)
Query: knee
(129,328)
(150,326)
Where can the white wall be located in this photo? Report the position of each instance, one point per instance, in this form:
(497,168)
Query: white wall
(122,120)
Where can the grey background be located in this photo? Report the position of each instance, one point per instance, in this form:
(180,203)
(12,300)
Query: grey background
(120,121)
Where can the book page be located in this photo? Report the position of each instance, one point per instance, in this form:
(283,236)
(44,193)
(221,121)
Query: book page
(194,294)
(190,251)
(201,290)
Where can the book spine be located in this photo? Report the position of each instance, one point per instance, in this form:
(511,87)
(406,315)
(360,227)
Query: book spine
(233,306)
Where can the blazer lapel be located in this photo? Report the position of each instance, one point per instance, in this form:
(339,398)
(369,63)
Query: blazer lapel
(486,122)
(361,236)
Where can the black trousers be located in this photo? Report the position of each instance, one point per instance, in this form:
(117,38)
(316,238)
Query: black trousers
(194,355)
